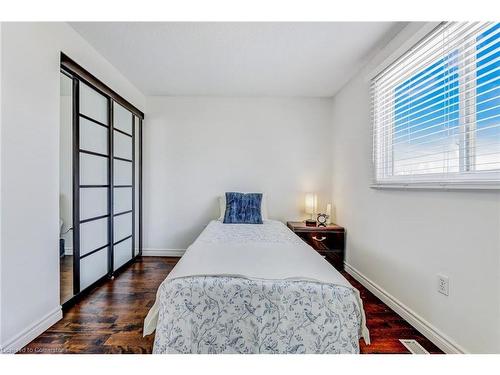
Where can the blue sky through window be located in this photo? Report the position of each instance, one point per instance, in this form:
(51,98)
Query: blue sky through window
(426,131)
(488,100)
(427,119)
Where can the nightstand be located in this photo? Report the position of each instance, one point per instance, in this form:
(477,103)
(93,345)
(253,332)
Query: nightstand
(329,241)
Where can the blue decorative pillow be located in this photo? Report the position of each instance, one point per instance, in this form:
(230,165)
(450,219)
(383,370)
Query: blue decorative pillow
(243,208)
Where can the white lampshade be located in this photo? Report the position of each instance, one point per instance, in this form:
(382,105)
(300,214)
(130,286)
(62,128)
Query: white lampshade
(311,203)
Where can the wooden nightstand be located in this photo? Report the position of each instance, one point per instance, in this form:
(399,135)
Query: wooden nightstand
(329,241)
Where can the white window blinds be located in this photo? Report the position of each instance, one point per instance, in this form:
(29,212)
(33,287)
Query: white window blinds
(436,110)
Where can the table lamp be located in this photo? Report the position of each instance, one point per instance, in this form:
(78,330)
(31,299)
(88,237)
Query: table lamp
(311,203)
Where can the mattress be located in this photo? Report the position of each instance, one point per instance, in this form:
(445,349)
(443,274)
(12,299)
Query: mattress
(243,288)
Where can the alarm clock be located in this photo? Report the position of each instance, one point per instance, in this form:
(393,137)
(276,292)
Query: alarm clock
(322,219)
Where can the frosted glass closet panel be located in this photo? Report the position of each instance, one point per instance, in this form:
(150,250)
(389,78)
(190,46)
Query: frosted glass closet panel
(93,267)
(93,202)
(122,253)
(93,235)
(93,169)
(122,227)
(122,146)
(122,119)
(94,189)
(93,137)
(123,200)
(122,172)
(93,104)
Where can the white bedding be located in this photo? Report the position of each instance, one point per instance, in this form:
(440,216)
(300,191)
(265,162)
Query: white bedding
(268,251)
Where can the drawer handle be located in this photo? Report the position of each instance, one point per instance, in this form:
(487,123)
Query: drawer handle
(319,239)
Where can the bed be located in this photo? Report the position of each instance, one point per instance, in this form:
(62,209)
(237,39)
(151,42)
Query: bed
(255,288)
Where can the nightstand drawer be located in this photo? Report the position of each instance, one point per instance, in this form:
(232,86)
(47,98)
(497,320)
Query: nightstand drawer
(323,241)
(328,244)
(327,240)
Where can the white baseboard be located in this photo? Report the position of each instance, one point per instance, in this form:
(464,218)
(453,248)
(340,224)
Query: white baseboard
(29,334)
(163,252)
(68,251)
(439,339)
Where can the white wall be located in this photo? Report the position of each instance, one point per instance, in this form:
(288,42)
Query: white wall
(401,239)
(1,330)
(196,148)
(30,169)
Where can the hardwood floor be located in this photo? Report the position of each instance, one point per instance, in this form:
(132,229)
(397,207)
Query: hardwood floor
(386,327)
(110,318)
(66,277)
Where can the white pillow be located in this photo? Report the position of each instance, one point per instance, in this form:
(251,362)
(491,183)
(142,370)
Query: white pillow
(222,207)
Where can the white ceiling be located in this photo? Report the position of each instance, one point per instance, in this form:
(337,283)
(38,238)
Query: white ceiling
(237,59)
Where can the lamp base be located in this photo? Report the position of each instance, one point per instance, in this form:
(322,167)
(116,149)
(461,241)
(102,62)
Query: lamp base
(310,223)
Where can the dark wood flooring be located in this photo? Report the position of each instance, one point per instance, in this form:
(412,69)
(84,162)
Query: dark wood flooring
(110,318)
(65,278)
(386,327)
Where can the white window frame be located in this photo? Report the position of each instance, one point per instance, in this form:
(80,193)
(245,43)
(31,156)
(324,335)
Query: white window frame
(447,181)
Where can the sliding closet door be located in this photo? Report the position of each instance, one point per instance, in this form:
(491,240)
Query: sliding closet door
(123,191)
(92,220)
(107,190)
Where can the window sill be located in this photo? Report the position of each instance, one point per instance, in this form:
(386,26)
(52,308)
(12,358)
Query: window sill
(436,186)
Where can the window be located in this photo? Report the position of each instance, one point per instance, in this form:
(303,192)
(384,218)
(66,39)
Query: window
(436,110)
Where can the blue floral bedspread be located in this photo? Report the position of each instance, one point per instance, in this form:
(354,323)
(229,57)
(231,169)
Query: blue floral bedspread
(218,314)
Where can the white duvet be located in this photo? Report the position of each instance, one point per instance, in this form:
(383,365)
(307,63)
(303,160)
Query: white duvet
(267,252)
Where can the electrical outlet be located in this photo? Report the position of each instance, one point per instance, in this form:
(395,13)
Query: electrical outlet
(443,285)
